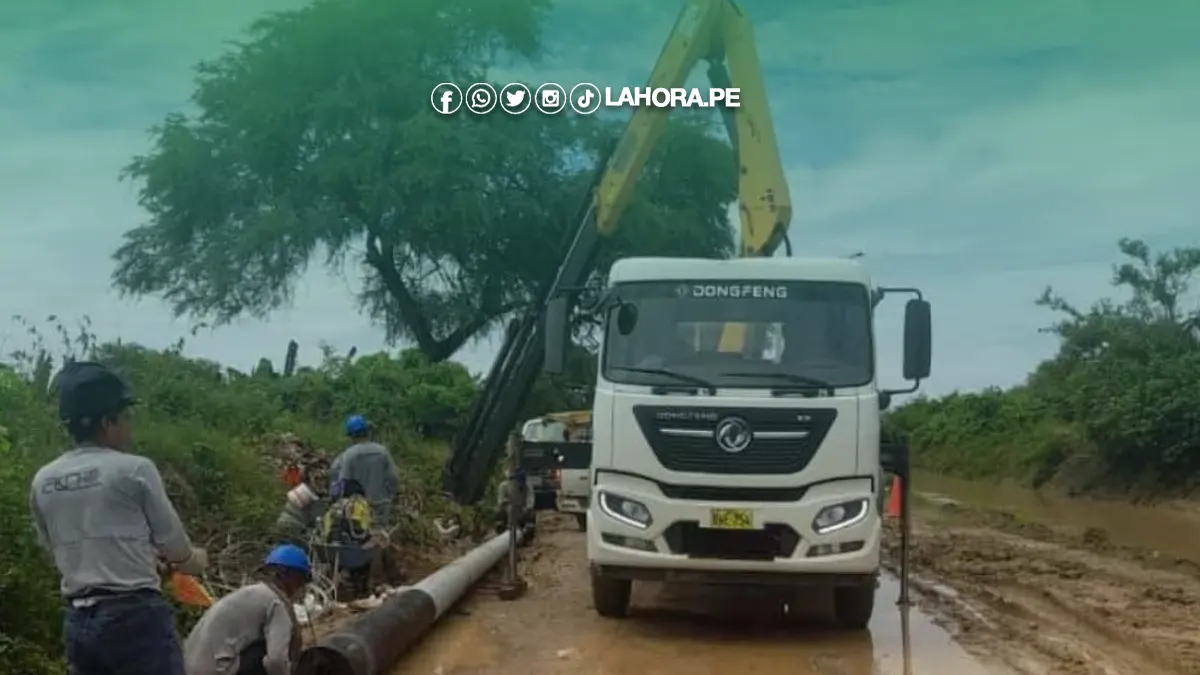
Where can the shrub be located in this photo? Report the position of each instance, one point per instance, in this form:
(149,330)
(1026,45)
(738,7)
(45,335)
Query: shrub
(209,429)
(1122,395)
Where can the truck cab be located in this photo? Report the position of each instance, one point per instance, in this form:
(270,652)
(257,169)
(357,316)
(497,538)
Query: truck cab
(736,427)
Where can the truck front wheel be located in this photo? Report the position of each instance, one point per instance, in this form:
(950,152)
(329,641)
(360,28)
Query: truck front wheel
(611,596)
(853,606)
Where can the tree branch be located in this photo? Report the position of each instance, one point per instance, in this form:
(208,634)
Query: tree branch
(447,346)
(381,255)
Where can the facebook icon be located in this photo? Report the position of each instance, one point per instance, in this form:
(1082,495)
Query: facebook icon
(446,98)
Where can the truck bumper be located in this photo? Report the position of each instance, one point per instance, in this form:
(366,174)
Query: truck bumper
(776,542)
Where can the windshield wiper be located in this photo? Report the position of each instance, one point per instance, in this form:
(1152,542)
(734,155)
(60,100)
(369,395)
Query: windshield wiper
(803,381)
(682,377)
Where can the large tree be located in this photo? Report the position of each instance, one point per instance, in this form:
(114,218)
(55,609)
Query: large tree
(315,138)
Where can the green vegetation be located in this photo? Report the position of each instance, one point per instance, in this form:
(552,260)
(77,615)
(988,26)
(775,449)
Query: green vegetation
(315,139)
(211,431)
(1116,410)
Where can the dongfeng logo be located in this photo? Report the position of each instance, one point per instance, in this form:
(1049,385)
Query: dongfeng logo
(733,435)
(733,291)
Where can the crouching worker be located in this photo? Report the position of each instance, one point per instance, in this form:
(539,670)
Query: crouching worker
(305,505)
(515,490)
(253,631)
(346,533)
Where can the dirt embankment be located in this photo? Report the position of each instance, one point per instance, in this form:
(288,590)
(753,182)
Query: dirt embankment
(1046,599)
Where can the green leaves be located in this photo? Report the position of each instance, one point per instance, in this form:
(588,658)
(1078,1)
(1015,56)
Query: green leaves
(1122,394)
(315,136)
(212,433)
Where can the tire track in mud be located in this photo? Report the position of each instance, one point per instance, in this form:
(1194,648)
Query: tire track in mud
(1047,601)
(674,629)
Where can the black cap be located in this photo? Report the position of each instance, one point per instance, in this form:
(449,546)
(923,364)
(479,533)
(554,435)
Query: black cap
(88,389)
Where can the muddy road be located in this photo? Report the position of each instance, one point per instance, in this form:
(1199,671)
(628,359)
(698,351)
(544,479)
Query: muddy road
(1056,599)
(995,595)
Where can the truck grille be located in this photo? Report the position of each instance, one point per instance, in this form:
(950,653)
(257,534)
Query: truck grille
(782,440)
(688,538)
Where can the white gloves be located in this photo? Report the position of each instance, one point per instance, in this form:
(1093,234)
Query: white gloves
(196,563)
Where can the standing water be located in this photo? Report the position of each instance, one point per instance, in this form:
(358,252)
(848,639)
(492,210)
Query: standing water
(1171,528)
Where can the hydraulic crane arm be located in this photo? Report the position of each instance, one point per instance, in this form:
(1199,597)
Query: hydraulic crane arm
(719,32)
(713,30)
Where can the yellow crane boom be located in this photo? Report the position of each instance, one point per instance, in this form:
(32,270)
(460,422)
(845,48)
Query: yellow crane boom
(716,31)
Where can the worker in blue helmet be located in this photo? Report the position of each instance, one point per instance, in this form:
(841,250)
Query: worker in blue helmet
(254,630)
(371,465)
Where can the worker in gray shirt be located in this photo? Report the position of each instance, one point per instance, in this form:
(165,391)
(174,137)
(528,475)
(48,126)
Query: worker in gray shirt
(372,466)
(253,630)
(513,491)
(105,516)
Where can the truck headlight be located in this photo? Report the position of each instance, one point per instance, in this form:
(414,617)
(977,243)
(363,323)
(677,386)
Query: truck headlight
(624,510)
(838,516)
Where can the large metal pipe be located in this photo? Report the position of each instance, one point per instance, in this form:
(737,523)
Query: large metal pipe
(375,640)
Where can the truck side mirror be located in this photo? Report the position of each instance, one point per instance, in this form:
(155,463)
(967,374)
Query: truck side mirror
(555,328)
(918,339)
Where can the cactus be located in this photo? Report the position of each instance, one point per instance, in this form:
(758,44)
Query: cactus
(289,364)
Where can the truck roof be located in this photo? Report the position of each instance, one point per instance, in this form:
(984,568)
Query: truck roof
(775,269)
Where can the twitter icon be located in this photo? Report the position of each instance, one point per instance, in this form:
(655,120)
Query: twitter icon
(515,98)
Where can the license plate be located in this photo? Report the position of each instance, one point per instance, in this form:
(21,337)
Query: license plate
(732,519)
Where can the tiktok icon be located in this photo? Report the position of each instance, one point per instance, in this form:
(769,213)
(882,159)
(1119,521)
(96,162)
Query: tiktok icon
(586,98)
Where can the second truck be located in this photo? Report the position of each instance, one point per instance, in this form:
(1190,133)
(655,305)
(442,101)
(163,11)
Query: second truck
(736,416)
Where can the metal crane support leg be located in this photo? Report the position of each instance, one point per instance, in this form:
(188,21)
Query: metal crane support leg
(513,586)
(905,533)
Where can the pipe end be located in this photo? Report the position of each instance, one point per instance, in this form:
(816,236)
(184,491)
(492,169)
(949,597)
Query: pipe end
(319,660)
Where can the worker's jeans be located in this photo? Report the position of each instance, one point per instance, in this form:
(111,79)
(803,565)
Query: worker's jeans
(124,635)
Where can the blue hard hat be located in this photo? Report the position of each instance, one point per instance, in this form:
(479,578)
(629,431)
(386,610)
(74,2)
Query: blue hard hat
(356,425)
(291,557)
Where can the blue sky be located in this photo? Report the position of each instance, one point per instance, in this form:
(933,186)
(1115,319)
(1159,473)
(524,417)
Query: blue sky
(977,151)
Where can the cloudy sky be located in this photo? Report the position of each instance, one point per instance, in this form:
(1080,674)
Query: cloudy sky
(979,151)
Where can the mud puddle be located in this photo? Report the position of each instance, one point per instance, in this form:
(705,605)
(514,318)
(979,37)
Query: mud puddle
(1053,599)
(1170,529)
(673,630)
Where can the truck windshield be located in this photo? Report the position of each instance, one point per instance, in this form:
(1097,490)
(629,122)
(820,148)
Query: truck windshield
(743,334)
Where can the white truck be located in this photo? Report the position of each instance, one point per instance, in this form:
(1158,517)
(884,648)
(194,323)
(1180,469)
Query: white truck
(561,442)
(740,456)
